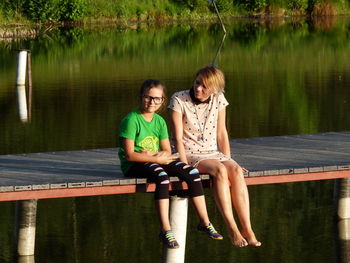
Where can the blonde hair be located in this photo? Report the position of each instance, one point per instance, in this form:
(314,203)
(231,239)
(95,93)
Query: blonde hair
(212,78)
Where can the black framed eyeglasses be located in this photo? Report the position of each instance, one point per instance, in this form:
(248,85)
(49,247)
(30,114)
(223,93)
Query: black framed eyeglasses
(157,100)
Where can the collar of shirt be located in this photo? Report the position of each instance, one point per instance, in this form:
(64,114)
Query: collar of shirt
(197,101)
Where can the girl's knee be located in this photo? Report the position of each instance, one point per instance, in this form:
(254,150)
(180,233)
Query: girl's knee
(163,178)
(220,172)
(236,171)
(193,175)
(159,175)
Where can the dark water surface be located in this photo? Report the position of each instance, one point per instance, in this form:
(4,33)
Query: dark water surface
(283,77)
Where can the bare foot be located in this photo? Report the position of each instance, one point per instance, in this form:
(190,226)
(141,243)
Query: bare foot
(251,239)
(238,240)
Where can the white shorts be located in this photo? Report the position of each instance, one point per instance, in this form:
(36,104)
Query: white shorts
(194,158)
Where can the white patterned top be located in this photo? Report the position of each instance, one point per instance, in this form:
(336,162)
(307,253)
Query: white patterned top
(199,125)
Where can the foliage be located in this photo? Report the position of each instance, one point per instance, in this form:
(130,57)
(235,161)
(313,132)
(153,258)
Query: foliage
(251,5)
(45,10)
(297,4)
(149,10)
(42,10)
(73,9)
(224,5)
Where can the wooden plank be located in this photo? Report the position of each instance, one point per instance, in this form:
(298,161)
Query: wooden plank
(299,177)
(149,187)
(295,155)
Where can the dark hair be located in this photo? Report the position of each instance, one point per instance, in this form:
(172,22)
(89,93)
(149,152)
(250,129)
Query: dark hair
(149,84)
(152,83)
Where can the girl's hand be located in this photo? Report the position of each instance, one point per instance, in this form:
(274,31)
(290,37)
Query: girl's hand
(166,159)
(147,152)
(162,153)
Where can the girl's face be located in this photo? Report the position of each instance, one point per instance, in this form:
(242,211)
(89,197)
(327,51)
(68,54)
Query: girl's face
(152,100)
(201,92)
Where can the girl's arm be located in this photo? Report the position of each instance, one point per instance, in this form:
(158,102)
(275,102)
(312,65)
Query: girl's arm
(176,119)
(222,136)
(164,147)
(143,157)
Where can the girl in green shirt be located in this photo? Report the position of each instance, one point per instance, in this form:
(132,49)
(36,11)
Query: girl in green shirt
(145,152)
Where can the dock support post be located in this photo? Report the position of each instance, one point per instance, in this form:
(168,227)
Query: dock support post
(344,240)
(26,259)
(26,223)
(178,222)
(343,198)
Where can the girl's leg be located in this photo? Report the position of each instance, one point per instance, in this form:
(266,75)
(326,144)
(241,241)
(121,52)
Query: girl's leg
(157,174)
(240,200)
(162,207)
(191,176)
(223,197)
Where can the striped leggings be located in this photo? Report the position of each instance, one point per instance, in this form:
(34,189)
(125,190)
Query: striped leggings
(159,174)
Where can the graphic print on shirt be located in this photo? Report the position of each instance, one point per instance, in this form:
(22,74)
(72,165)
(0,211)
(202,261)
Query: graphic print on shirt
(150,143)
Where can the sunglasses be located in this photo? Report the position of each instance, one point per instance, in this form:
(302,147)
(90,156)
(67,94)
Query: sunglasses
(156,100)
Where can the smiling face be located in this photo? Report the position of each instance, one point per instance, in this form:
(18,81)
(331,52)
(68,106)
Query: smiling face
(152,99)
(201,92)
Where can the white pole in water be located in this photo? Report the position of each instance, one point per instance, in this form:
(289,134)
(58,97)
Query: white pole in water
(22,103)
(20,83)
(344,198)
(26,224)
(21,67)
(344,240)
(26,259)
(178,222)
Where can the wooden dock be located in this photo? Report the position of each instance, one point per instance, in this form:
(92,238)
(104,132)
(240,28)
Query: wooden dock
(97,172)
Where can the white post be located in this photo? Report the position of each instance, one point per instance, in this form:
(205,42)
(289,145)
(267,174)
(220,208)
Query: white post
(344,240)
(26,259)
(21,67)
(26,223)
(344,198)
(344,229)
(20,83)
(22,103)
(178,222)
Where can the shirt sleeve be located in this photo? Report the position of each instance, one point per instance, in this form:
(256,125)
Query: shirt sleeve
(128,128)
(163,130)
(222,101)
(175,104)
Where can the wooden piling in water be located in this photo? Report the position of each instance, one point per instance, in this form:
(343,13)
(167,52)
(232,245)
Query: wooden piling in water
(343,198)
(26,225)
(344,240)
(26,259)
(178,222)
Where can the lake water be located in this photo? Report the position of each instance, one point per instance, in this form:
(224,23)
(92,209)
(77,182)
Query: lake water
(283,77)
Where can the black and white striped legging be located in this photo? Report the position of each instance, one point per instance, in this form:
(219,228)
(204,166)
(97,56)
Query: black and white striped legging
(159,174)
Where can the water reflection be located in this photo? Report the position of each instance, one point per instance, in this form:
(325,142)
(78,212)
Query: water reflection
(217,54)
(26,259)
(344,240)
(282,78)
(22,103)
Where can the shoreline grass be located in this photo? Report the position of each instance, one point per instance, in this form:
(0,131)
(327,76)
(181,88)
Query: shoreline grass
(76,12)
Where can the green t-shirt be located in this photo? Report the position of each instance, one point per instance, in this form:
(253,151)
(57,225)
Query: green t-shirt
(146,135)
